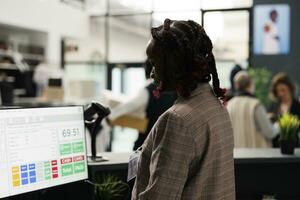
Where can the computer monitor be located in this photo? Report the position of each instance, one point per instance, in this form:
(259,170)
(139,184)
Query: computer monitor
(41,148)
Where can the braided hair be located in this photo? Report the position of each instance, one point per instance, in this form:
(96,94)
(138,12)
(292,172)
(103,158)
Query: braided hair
(181,55)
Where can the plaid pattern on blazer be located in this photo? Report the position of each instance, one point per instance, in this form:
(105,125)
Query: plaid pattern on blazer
(189,152)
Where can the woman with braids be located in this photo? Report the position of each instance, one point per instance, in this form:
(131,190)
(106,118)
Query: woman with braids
(189,151)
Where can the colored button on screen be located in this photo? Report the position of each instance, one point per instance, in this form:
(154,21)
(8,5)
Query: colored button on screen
(54,162)
(24,175)
(32,173)
(78,147)
(79,167)
(31,166)
(78,158)
(67,170)
(32,180)
(24,181)
(65,149)
(66,160)
(23,167)
(15,169)
(16,183)
(47,164)
(16,176)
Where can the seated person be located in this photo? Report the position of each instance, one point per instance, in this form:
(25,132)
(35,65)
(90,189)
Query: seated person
(282,91)
(251,126)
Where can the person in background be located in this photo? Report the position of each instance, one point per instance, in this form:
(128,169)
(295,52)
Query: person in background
(282,92)
(251,125)
(231,93)
(189,152)
(146,98)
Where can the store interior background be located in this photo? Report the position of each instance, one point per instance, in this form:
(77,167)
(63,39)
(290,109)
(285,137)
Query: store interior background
(100,44)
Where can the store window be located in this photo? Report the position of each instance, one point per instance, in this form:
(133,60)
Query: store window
(128,37)
(229,32)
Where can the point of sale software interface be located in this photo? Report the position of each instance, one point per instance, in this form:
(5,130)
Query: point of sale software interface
(41,148)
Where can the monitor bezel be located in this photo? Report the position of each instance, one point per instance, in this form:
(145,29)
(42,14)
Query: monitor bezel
(85,139)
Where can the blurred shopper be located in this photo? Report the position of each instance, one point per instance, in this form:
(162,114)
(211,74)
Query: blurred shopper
(282,91)
(146,98)
(189,152)
(231,93)
(251,126)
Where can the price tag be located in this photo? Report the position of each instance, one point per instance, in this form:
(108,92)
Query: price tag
(133,165)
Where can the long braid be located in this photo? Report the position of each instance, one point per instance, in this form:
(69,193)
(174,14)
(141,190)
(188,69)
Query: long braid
(206,42)
(220,93)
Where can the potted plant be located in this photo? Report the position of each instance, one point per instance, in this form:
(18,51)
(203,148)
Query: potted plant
(289,127)
(262,77)
(111,188)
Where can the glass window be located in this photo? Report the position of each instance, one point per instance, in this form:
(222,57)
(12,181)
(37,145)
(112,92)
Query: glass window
(89,49)
(220,4)
(96,7)
(116,80)
(129,6)
(133,81)
(134,78)
(229,32)
(158,18)
(84,82)
(97,37)
(171,5)
(127,80)
(224,69)
(128,37)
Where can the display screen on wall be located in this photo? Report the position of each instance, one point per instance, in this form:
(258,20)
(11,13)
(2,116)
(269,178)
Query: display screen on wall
(271,29)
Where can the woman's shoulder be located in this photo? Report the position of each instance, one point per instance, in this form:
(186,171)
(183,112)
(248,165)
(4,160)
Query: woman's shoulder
(171,114)
(172,118)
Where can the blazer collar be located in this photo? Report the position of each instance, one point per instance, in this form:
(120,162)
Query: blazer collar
(201,88)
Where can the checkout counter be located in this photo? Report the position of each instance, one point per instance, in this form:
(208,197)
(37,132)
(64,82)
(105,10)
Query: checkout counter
(257,172)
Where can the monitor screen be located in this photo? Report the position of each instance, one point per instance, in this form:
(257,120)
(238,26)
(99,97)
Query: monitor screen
(41,148)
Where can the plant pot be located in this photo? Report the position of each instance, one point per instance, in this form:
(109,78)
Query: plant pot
(287,147)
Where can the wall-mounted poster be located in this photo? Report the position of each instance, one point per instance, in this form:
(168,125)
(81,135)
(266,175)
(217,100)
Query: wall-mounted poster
(271,29)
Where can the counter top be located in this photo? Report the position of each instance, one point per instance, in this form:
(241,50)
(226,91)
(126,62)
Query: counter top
(265,155)
(241,156)
(115,161)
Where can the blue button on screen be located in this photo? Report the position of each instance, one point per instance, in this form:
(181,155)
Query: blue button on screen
(24,181)
(32,173)
(24,175)
(31,166)
(23,167)
(32,180)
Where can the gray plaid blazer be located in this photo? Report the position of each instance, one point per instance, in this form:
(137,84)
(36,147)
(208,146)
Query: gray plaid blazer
(189,152)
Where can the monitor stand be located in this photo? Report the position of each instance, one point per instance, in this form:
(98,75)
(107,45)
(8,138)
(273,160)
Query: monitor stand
(97,159)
